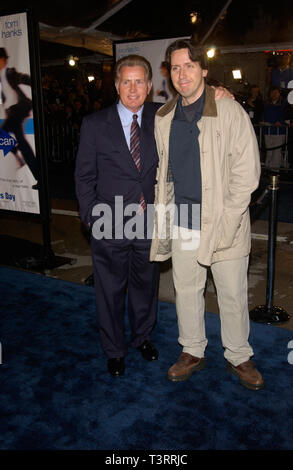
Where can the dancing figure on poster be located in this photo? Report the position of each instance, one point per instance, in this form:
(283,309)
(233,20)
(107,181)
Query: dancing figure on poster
(17,107)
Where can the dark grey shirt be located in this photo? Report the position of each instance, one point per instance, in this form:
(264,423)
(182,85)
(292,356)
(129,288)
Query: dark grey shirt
(185,162)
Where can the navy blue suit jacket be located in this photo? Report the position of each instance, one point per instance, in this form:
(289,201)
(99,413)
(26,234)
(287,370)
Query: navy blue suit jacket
(104,166)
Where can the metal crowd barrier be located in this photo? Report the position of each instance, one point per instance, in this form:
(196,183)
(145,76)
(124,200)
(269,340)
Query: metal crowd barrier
(63,139)
(286,147)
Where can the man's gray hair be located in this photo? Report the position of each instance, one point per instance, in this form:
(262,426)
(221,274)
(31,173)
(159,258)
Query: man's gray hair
(132,61)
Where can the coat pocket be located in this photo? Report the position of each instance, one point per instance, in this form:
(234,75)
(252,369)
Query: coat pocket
(227,232)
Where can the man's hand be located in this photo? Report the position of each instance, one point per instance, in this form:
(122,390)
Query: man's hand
(221,92)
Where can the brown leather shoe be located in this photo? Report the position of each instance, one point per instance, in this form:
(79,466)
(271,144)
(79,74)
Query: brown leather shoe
(248,375)
(184,367)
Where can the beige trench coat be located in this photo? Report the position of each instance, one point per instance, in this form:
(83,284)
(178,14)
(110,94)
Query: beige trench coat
(230,171)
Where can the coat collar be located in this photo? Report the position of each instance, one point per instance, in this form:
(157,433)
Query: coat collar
(210,108)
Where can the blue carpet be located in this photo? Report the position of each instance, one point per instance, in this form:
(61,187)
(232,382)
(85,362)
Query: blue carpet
(57,395)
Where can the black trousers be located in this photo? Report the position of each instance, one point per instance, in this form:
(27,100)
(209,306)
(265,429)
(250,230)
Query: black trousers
(122,267)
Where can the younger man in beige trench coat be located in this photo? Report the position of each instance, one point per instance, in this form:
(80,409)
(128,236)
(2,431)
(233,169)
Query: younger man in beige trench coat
(208,164)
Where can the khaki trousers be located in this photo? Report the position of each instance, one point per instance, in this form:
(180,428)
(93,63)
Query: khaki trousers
(230,278)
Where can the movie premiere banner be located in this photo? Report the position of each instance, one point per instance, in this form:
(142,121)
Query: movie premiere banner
(18,163)
(154,52)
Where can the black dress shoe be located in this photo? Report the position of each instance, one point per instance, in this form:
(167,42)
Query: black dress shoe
(148,351)
(116,366)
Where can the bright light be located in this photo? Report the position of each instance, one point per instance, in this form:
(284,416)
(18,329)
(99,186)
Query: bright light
(211,53)
(90,78)
(193,17)
(237,74)
(72,61)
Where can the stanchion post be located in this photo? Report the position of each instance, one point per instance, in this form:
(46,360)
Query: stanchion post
(269,313)
(274,189)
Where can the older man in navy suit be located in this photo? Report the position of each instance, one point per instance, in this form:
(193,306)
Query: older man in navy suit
(115,161)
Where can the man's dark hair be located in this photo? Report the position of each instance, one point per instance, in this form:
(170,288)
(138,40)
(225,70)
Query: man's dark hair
(3,53)
(131,61)
(196,54)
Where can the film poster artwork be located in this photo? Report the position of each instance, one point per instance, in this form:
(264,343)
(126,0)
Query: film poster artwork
(154,51)
(18,162)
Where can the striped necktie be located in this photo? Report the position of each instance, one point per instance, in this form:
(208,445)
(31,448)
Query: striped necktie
(135,153)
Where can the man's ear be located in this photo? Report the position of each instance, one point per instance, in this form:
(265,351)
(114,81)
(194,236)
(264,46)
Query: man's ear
(204,72)
(150,84)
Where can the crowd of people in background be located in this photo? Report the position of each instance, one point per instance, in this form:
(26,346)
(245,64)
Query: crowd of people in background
(274,114)
(70,102)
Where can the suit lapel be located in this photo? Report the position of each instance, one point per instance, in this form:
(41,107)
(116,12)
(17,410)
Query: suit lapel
(115,130)
(117,138)
(146,137)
